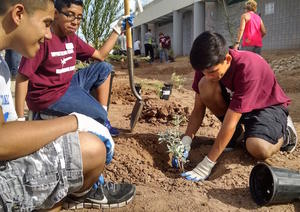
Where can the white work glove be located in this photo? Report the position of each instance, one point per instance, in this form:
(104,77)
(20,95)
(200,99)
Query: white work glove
(201,172)
(186,142)
(121,24)
(87,124)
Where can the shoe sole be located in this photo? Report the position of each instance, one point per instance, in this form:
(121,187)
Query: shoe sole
(292,130)
(91,205)
(294,136)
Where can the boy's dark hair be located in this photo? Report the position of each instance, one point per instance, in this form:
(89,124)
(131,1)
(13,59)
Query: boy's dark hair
(30,5)
(208,49)
(59,4)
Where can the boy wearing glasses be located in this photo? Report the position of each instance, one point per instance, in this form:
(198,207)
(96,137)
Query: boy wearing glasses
(238,87)
(48,81)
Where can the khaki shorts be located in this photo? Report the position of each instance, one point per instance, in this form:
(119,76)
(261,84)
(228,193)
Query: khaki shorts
(42,179)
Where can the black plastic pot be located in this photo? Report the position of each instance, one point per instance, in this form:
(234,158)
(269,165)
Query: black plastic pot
(169,85)
(166,91)
(270,185)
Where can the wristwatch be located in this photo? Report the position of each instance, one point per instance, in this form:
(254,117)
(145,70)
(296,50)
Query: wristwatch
(237,42)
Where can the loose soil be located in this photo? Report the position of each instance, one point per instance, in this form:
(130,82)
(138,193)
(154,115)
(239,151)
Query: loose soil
(142,160)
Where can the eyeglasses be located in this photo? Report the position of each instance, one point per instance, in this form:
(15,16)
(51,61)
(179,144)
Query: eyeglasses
(71,16)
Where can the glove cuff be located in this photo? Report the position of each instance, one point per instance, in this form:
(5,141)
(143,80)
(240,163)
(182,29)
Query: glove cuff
(117,29)
(187,141)
(208,162)
(77,118)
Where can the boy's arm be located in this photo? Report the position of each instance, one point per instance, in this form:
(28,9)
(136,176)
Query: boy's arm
(109,44)
(18,139)
(196,117)
(20,94)
(225,134)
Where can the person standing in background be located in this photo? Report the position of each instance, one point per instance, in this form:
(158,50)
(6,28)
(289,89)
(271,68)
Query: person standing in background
(148,45)
(122,43)
(252,29)
(137,47)
(12,59)
(163,48)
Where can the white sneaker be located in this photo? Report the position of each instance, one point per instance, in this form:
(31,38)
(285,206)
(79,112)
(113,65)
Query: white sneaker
(291,139)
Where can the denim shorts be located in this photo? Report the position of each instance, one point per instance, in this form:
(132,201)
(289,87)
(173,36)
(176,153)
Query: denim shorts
(78,98)
(43,178)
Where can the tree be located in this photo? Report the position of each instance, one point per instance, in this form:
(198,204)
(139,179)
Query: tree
(99,15)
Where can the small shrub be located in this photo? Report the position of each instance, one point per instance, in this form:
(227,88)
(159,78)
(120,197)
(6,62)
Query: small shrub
(172,137)
(177,80)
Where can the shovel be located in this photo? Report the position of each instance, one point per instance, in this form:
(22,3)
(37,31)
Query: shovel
(139,103)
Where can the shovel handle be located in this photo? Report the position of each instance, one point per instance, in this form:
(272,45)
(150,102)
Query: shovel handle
(128,29)
(130,52)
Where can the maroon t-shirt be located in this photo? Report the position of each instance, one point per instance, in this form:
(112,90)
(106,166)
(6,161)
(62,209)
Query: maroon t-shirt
(252,82)
(164,42)
(51,70)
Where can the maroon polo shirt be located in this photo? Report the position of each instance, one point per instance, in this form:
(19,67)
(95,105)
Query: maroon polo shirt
(252,82)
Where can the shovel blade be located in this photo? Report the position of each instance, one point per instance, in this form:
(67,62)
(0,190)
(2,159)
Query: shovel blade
(136,113)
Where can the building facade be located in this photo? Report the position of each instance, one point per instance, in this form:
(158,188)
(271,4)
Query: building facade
(184,20)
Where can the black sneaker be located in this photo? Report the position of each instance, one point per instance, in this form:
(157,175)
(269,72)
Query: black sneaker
(291,139)
(107,195)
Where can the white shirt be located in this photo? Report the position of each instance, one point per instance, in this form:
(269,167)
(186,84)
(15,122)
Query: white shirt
(122,42)
(6,100)
(136,45)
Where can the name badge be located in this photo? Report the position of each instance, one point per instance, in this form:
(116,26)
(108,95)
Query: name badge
(69,46)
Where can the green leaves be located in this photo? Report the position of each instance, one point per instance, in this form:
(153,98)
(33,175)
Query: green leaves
(172,137)
(177,80)
(99,15)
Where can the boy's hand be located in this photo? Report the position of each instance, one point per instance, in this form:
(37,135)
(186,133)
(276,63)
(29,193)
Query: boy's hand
(186,142)
(201,172)
(121,24)
(87,124)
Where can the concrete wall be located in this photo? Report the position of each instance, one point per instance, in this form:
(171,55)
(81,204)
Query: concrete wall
(281,18)
(283,26)
(160,8)
(187,30)
(227,25)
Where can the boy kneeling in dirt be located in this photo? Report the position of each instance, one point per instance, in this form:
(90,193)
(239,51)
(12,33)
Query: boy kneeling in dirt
(238,87)
(42,162)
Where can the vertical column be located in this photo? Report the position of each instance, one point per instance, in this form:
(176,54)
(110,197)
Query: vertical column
(177,33)
(135,34)
(199,18)
(143,31)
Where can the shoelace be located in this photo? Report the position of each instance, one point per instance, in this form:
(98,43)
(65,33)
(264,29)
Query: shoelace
(107,124)
(99,182)
(110,186)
